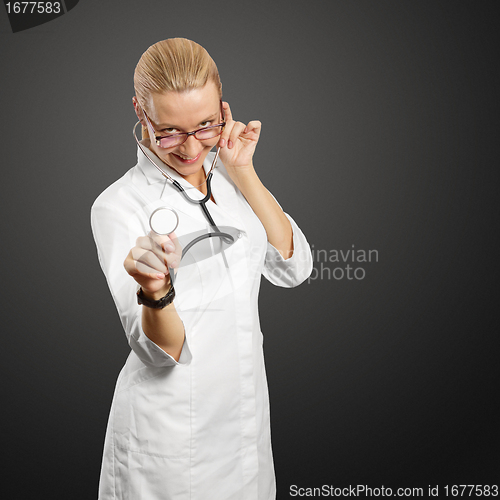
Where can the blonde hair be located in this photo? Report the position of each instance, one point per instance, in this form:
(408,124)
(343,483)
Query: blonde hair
(174,64)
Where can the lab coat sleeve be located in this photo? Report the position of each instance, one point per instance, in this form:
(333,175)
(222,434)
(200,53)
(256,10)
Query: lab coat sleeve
(115,234)
(293,271)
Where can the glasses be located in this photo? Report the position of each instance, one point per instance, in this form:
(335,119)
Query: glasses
(202,134)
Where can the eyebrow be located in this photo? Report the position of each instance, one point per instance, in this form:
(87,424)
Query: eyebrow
(168,125)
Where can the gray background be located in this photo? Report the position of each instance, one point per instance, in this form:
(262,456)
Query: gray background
(380,131)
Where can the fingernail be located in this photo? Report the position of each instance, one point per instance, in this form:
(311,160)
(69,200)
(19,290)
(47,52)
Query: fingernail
(170,246)
(222,143)
(230,144)
(160,276)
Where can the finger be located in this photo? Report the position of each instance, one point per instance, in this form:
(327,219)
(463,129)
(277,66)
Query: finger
(147,271)
(141,270)
(170,249)
(228,116)
(166,249)
(178,249)
(226,133)
(253,126)
(149,251)
(163,240)
(236,131)
(148,243)
(148,261)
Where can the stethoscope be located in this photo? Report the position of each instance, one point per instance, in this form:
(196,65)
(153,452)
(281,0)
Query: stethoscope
(164,220)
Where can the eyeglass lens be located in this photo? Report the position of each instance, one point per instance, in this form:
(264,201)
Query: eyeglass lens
(201,135)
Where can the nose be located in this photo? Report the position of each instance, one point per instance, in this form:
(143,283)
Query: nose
(191,147)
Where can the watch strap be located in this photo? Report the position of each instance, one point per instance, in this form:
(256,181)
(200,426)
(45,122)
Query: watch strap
(156,304)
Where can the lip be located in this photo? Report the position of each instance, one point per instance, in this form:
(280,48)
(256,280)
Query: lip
(187,162)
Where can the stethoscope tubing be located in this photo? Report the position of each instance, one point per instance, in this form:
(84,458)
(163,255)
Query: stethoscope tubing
(227,238)
(167,176)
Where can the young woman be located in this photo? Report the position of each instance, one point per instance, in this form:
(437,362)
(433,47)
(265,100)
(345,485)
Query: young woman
(190,413)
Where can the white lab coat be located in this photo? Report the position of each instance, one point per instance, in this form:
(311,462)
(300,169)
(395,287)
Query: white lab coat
(198,428)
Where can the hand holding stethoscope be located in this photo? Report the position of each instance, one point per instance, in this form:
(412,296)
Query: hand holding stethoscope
(155,258)
(238,141)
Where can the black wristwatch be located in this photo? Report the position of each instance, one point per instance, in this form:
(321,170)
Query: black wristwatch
(156,304)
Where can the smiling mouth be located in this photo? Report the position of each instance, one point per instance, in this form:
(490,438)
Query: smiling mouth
(187,160)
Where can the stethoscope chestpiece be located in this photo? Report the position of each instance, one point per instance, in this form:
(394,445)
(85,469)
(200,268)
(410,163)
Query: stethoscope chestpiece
(164,220)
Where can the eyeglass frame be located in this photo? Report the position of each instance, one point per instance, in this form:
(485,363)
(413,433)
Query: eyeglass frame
(187,134)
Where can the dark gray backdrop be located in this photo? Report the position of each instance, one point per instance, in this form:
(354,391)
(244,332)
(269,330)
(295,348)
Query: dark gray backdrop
(379,131)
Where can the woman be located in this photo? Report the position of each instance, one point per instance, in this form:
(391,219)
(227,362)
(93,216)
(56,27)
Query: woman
(190,413)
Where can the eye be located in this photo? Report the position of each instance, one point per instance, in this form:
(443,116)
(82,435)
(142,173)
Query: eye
(169,131)
(205,124)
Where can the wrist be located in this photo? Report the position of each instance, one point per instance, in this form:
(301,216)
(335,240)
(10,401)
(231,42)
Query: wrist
(157,294)
(156,303)
(243,176)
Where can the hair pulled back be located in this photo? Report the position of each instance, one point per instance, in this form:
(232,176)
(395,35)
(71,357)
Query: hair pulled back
(174,64)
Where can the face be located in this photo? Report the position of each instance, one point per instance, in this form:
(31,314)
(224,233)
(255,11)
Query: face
(175,112)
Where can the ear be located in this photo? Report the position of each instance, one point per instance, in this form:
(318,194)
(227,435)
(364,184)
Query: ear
(138,111)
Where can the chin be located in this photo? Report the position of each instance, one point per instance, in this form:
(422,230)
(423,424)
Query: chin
(187,169)
(187,172)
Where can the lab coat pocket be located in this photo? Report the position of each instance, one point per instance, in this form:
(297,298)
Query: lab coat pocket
(151,413)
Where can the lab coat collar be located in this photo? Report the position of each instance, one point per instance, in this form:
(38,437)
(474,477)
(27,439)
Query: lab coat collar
(223,193)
